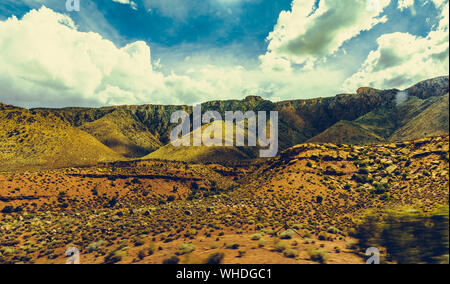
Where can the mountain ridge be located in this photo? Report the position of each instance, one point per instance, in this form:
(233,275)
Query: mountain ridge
(370,115)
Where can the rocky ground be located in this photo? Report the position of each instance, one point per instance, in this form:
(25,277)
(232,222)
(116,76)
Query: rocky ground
(300,207)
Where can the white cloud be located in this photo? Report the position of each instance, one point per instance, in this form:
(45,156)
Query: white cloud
(46,61)
(305,35)
(132,4)
(402,59)
(404,4)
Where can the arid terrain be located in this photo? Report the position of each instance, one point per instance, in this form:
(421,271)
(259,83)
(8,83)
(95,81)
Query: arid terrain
(277,211)
(102,181)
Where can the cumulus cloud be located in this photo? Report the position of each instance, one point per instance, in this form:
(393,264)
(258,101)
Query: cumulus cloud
(404,4)
(132,4)
(47,61)
(307,34)
(403,59)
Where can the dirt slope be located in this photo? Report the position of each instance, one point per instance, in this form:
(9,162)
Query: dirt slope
(433,121)
(30,140)
(121,132)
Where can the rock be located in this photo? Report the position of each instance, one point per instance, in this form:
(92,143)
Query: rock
(115,218)
(391,169)
(330,170)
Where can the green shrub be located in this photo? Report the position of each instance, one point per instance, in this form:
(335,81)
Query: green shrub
(7,209)
(232,246)
(185,249)
(215,258)
(287,235)
(171,260)
(282,246)
(257,236)
(318,255)
(262,243)
(115,256)
(95,246)
(291,253)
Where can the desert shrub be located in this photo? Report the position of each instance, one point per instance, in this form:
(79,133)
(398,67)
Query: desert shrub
(215,258)
(332,230)
(362,178)
(7,209)
(380,188)
(171,260)
(194,186)
(142,254)
(115,256)
(262,243)
(323,236)
(136,181)
(232,246)
(290,253)
(319,199)
(257,236)
(190,233)
(94,246)
(318,255)
(138,242)
(408,235)
(150,248)
(287,235)
(282,246)
(111,203)
(185,249)
(363,171)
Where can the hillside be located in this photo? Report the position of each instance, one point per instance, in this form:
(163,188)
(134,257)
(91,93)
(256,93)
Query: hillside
(346,132)
(31,140)
(124,134)
(421,113)
(137,130)
(204,154)
(308,199)
(433,121)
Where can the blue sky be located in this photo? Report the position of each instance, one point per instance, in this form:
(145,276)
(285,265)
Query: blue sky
(200,50)
(198,26)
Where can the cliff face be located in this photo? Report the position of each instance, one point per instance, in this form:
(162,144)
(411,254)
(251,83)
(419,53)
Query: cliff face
(430,88)
(373,114)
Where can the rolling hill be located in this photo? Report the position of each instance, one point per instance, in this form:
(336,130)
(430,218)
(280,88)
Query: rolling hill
(122,133)
(203,154)
(346,132)
(86,135)
(31,140)
(433,121)
(411,114)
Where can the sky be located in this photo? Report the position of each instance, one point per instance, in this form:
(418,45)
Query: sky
(114,52)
